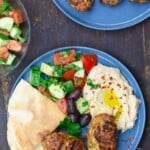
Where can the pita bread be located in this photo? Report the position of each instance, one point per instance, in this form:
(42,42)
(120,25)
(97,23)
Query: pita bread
(30,114)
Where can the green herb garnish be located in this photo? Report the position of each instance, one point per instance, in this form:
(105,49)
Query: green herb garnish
(91,84)
(71,128)
(5,7)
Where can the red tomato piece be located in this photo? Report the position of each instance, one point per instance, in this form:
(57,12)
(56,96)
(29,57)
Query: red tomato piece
(68,75)
(14,45)
(89,61)
(62,104)
(17,16)
(63,58)
(79,82)
(4,53)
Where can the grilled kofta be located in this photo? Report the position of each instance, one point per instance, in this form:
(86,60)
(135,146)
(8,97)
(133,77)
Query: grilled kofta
(81,5)
(62,141)
(110,2)
(102,134)
(139,1)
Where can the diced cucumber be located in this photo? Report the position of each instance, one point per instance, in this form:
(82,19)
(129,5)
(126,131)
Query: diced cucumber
(69,87)
(15,32)
(3,39)
(82,105)
(47,69)
(57,90)
(35,75)
(80,73)
(6,23)
(78,64)
(54,71)
(9,61)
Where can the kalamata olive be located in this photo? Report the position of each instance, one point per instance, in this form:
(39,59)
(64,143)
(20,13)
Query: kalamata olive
(85,119)
(75,94)
(72,106)
(75,117)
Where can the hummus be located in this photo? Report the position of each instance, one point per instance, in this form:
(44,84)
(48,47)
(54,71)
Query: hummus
(109,92)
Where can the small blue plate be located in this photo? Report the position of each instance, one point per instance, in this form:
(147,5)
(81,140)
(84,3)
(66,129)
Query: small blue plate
(103,17)
(128,140)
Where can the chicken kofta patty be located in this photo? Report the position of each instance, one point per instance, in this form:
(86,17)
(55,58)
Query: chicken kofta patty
(110,2)
(62,141)
(81,5)
(139,1)
(102,134)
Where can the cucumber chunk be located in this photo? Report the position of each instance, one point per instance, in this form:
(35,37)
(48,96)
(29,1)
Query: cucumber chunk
(54,71)
(15,32)
(9,61)
(80,73)
(3,39)
(82,105)
(6,23)
(57,91)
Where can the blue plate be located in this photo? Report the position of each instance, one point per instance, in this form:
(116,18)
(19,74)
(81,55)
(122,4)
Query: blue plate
(104,17)
(129,139)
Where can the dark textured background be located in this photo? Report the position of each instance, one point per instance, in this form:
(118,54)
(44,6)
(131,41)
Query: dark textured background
(51,29)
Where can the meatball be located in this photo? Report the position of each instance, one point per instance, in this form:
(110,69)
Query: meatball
(110,2)
(62,141)
(102,133)
(81,5)
(139,1)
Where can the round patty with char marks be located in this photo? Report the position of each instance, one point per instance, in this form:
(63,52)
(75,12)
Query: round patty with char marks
(102,134)
(81,5)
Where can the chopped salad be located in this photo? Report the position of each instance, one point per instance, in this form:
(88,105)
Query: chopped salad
(62,81)
(11,35)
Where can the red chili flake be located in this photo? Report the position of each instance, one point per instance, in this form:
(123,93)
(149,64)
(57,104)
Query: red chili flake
(93,91)
(103,77)
(111,89)
(111,78)
(103,87)
(111,98)
(119,85)
(125,87)
(124,95)
(99,85)
(92,106)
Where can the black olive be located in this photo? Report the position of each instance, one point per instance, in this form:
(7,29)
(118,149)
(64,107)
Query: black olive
(75,117)
(75,94)
(72,106)
(85,119)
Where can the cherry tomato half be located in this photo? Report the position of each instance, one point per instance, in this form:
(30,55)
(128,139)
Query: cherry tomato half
(68,75)
(63,58)
(79,82)
(89,61)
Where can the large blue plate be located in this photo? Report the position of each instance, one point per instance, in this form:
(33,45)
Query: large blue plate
(104,17)
(128,139)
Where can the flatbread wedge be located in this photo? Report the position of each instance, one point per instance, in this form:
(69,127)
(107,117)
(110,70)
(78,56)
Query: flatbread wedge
(29,115)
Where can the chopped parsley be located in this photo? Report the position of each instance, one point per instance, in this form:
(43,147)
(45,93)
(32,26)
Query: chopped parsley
(5,7)
(91,84)
(71,128)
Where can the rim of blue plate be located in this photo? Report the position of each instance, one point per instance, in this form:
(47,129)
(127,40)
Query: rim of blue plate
(107,56)
(117,26)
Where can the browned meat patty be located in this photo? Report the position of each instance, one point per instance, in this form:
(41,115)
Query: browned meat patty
(110,2)
(81,5)
(139,1)
(62,141)
(102,133)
